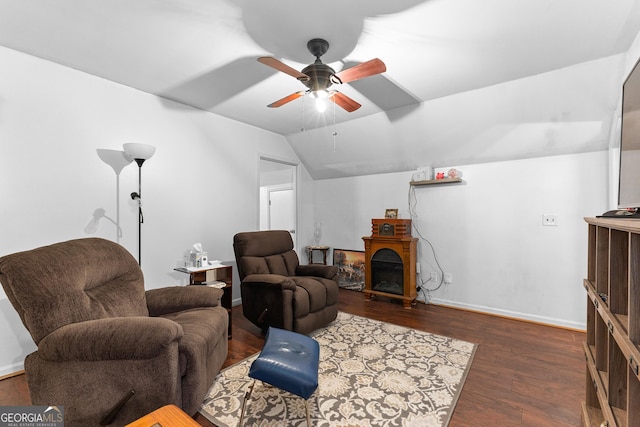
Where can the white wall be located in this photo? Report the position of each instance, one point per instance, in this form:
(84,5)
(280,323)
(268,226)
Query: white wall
(200,186)
(488,232)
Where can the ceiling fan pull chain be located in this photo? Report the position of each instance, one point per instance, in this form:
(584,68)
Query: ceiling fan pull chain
(335,131)
(302,127)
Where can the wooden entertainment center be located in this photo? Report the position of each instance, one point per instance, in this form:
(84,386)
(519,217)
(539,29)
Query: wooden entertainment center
(612,349)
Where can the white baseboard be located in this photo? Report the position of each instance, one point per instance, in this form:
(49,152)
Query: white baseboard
(513,314)
(13,368)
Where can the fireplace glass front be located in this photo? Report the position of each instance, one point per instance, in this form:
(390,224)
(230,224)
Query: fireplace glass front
(387,272)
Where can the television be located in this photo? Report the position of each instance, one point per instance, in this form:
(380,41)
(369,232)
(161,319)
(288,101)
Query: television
(629,171)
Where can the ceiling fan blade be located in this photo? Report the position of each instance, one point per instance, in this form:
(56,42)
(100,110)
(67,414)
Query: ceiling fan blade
(288,98)
(365,69)
(280,66)
(345,102)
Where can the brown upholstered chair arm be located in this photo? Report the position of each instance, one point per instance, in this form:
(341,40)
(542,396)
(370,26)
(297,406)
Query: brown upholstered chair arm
(317,270)
(117,338)
(178,298)
(271,280)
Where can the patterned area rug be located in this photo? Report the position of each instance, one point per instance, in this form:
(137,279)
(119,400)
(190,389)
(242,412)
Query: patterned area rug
(371,374)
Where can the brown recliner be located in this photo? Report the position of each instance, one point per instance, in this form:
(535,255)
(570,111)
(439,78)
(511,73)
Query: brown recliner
(100,335)
(276,290)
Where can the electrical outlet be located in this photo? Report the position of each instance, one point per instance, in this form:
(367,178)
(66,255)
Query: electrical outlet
(448,278)
(433,277)
(550,220)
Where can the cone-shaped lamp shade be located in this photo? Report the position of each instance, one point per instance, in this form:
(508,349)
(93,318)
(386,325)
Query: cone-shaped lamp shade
(114,158)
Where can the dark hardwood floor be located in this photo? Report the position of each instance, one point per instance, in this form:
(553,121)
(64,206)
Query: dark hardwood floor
(523,374)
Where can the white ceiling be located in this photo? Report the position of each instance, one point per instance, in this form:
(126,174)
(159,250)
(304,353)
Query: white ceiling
(427,107)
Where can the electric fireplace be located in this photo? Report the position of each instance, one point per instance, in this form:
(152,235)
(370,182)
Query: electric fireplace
(390,261)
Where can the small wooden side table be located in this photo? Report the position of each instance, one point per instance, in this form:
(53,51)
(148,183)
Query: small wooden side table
(213,273)
(323,249)
(167,416)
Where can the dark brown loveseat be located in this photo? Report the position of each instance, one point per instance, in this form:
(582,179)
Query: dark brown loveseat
(276,290)
(100,335)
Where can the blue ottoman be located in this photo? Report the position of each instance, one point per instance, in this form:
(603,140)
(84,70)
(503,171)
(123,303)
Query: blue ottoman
(288,361)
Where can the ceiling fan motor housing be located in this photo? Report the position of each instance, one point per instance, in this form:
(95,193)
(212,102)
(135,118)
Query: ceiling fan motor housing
(320,76)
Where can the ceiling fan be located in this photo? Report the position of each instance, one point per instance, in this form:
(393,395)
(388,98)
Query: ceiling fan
(318,77)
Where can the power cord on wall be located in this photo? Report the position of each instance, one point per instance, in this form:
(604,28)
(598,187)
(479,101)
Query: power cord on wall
(412,201)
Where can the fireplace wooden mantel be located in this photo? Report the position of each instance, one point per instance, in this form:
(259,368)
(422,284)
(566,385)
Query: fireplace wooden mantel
(404,246)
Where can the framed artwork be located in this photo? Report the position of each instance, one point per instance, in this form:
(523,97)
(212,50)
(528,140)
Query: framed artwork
(350,268)
(391,213)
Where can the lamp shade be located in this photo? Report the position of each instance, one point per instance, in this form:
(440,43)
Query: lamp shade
(139,151)
(114,158)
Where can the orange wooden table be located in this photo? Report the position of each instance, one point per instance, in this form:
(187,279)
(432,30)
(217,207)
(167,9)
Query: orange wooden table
(167,416)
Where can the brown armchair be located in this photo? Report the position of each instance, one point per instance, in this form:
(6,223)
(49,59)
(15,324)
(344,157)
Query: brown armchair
(100,335)
(276,290)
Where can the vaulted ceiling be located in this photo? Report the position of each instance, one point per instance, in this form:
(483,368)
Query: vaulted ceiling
(464,80)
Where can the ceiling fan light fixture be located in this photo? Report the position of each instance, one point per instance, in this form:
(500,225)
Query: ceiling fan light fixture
(320,97)
(319,94)
(321,105)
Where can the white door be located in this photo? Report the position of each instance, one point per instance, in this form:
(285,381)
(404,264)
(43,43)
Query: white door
(281,210)
(278,196)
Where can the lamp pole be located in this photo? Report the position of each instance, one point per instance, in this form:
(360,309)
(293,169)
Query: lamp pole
(140,217)
(139,153)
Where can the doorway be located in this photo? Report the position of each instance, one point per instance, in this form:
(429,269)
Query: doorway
(278,195)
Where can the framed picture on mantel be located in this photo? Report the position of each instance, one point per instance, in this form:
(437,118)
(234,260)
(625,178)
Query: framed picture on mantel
(350,268)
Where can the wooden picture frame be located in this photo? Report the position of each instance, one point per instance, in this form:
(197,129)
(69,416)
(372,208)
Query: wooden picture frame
(391,213)
(351,265)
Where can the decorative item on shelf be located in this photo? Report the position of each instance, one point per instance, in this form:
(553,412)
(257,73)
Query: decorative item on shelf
(391,213)
(139,152)
(440,175)
(454,173)
(418,176)
(422,174)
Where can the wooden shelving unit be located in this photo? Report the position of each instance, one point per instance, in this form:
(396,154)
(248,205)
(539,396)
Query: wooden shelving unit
(437,181)
(612,349)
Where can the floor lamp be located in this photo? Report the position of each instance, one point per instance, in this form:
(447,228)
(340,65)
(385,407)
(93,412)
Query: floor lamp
(117,160)
(139,152)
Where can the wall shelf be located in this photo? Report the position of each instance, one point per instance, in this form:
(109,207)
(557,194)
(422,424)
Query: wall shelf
(437,181)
